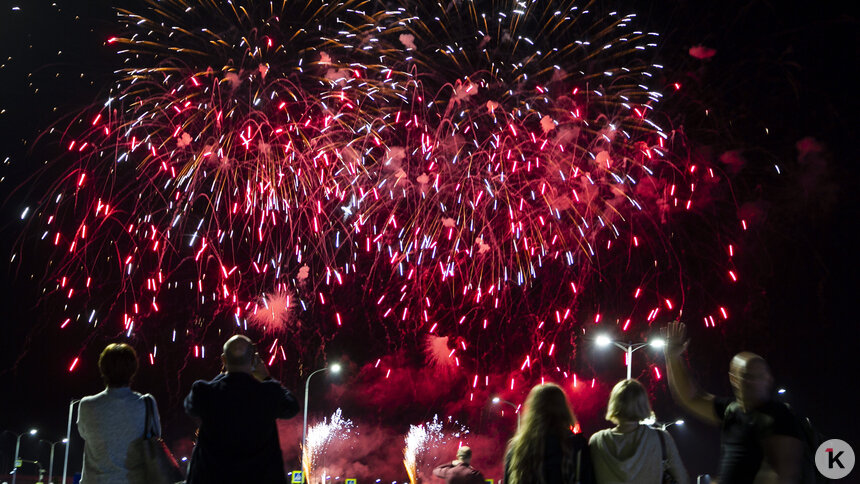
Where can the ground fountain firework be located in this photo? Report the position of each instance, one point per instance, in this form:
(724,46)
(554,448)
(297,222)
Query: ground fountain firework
(320,437)
(419,441)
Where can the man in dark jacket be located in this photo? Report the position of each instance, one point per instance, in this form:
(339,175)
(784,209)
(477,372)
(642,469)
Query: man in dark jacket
(237,412)
(460,471)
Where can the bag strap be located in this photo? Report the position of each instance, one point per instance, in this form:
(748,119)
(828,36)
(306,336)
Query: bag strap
(149,423)
(662,445)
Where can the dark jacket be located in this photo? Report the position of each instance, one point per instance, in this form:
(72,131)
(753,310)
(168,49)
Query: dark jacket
(238,437)
(560,461)
(461,473)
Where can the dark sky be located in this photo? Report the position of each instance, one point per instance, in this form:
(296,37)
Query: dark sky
(783,71)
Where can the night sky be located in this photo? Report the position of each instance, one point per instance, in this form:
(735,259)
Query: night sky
(779,90)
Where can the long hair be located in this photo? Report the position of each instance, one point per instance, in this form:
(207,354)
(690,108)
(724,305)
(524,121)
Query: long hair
(547,415)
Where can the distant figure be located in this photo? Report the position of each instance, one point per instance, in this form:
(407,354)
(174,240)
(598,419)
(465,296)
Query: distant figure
(545,450)
(460,471)
(111,420)
(761,439)
(632,452)
(237,412)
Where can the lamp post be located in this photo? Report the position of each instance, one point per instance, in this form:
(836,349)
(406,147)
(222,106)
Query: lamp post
(68,437)
(17,448)
(51,461)
(497,400)
(335,368)
(603,341)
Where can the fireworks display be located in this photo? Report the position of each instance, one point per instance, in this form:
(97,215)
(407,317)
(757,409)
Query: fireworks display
(320,436)
(454,200)
(462,179)
(419,440)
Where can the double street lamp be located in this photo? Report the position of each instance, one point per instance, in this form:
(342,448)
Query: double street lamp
(335,368)
(604,341)
(15,466)
(51,462)
(652,422)
(666,425)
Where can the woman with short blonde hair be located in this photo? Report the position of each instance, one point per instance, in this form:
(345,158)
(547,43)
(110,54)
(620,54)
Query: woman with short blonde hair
(632,452)
(628,402)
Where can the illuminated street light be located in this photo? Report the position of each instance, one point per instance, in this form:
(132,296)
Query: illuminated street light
(497,400)
(652,422)
(51,461)
(603,341)
(14,472)
(335,369)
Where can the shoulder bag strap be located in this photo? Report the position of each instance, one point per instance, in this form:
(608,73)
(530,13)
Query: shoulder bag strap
(662,445)
(149,425)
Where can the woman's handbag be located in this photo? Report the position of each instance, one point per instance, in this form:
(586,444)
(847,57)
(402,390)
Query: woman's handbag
(158,466)
(667,476)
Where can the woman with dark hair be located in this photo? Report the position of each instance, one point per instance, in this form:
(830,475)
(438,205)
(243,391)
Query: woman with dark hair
(111,420)
(545,450)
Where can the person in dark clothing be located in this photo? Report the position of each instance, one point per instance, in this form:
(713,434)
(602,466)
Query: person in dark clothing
(460,471)
(761,439)
(545,450)
(237,412)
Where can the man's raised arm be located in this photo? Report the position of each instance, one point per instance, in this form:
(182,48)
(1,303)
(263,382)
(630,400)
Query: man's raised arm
(684,389)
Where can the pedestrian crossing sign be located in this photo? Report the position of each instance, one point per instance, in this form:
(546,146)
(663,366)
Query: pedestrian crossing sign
(350,481)
(298,477)
(488,481)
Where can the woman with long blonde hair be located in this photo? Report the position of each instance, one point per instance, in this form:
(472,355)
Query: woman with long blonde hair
(545,450)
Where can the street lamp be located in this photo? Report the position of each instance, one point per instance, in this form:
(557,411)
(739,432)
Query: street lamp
(335,368)
(604,341)
(652,422)
(666,425)
(497,400)
(69,436)
(14,472)
(51,462)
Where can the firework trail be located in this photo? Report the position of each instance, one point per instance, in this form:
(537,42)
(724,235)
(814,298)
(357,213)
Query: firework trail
(320,436)
(481,177)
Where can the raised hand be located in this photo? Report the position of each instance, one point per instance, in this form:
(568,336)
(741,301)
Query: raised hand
(259,369)
(676,339)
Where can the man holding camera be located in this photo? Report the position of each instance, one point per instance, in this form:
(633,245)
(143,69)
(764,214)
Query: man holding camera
(237,412)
